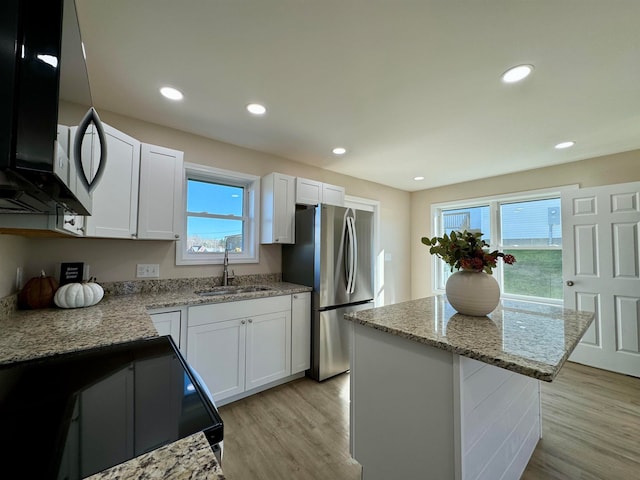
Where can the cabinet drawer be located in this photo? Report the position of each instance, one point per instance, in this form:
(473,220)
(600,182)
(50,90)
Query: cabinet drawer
(219,312)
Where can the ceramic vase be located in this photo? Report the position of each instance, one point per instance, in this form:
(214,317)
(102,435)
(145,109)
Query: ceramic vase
(473,293)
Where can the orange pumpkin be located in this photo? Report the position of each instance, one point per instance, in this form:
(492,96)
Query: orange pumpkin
(38,292)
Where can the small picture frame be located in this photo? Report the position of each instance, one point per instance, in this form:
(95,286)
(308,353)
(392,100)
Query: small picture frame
(71,272)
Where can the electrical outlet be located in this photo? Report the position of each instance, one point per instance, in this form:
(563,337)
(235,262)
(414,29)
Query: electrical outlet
(148,270)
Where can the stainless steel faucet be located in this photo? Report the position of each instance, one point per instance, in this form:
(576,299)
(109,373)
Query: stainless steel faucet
(225,270)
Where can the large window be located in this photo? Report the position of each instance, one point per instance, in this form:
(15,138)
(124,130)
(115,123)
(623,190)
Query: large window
(526,226)
(220,213)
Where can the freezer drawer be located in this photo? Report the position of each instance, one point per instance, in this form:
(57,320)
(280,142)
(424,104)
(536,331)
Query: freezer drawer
(331,341)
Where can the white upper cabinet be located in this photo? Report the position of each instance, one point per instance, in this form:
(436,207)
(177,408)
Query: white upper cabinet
(161,182)
(115,199)
(278,206)
(312,192)
(332,195)
(308,192)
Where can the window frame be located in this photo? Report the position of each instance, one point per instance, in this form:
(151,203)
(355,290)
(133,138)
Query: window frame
(493,202)
(251,210)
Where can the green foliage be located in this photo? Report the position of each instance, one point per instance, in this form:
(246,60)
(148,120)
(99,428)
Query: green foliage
(466,250)
(538,273)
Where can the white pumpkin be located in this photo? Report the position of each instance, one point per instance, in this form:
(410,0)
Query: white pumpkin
(78,295)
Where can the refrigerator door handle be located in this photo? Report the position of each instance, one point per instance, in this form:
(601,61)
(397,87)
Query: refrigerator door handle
(355,255)
(351,252)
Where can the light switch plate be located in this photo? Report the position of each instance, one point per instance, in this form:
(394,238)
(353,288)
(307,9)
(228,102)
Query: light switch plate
(148,270)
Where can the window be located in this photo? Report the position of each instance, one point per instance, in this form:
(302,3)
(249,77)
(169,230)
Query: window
(527,226)
(221,211)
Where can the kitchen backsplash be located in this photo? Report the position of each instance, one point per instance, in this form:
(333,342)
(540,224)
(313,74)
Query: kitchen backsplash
(170,284)
(9,304)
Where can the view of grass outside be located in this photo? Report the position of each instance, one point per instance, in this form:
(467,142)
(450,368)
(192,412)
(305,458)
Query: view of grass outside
(536,273)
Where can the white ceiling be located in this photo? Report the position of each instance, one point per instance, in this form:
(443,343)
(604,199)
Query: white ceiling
(408,87)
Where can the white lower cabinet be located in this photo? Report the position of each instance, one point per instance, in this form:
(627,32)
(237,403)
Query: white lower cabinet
(217,352)
(168,321)
(240,346)
(300,332)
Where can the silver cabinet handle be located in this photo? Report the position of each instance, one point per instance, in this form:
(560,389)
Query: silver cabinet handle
(177,236)
(242,322)
(250,321)
(569,283)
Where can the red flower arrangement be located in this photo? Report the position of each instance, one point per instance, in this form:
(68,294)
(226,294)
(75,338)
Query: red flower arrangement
(467,251)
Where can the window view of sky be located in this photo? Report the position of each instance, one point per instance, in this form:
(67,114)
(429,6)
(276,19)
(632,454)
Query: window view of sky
(207,233)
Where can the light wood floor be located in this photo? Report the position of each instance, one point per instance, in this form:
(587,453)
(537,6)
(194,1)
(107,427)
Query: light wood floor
(300,431)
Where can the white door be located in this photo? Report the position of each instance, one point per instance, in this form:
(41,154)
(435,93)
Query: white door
(601,270)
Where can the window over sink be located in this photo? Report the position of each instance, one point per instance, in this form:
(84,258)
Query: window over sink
(220,211)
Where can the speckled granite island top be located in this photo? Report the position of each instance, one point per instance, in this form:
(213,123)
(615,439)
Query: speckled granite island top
(527,338)
(29,334)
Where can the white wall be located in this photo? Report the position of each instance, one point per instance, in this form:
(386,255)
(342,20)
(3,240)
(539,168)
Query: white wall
(13,254)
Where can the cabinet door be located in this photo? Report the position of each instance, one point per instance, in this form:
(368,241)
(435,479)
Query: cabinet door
(308,192)
(115,199)
(278,208)
(332,195)
(168,323)
(161,181)
(268,348)
(300,332)
(217,352)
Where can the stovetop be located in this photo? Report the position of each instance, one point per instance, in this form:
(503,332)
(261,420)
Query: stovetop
(73,415)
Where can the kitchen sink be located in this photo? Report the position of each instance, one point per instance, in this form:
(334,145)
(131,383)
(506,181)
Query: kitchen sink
(231,290)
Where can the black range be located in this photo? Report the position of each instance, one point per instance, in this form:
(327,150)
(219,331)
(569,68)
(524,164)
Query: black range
(73,415)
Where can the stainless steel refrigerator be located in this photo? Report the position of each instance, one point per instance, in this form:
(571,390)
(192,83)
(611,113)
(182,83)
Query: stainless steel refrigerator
(333,254)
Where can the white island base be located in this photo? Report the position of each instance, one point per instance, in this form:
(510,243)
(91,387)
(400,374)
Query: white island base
(419,412)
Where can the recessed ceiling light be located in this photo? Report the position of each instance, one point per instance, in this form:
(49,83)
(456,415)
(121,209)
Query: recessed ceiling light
(256,109)
(517,73)
(339,151)
(417,179)
(171,93)
(562,145)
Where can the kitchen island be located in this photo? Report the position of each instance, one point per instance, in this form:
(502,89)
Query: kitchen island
(440,395)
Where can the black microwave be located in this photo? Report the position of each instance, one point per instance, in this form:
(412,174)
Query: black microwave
(49,132)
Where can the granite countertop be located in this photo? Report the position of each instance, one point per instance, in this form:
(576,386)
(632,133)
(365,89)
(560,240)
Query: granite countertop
(190,458)
(121,317)
(528,338)
(29,334)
